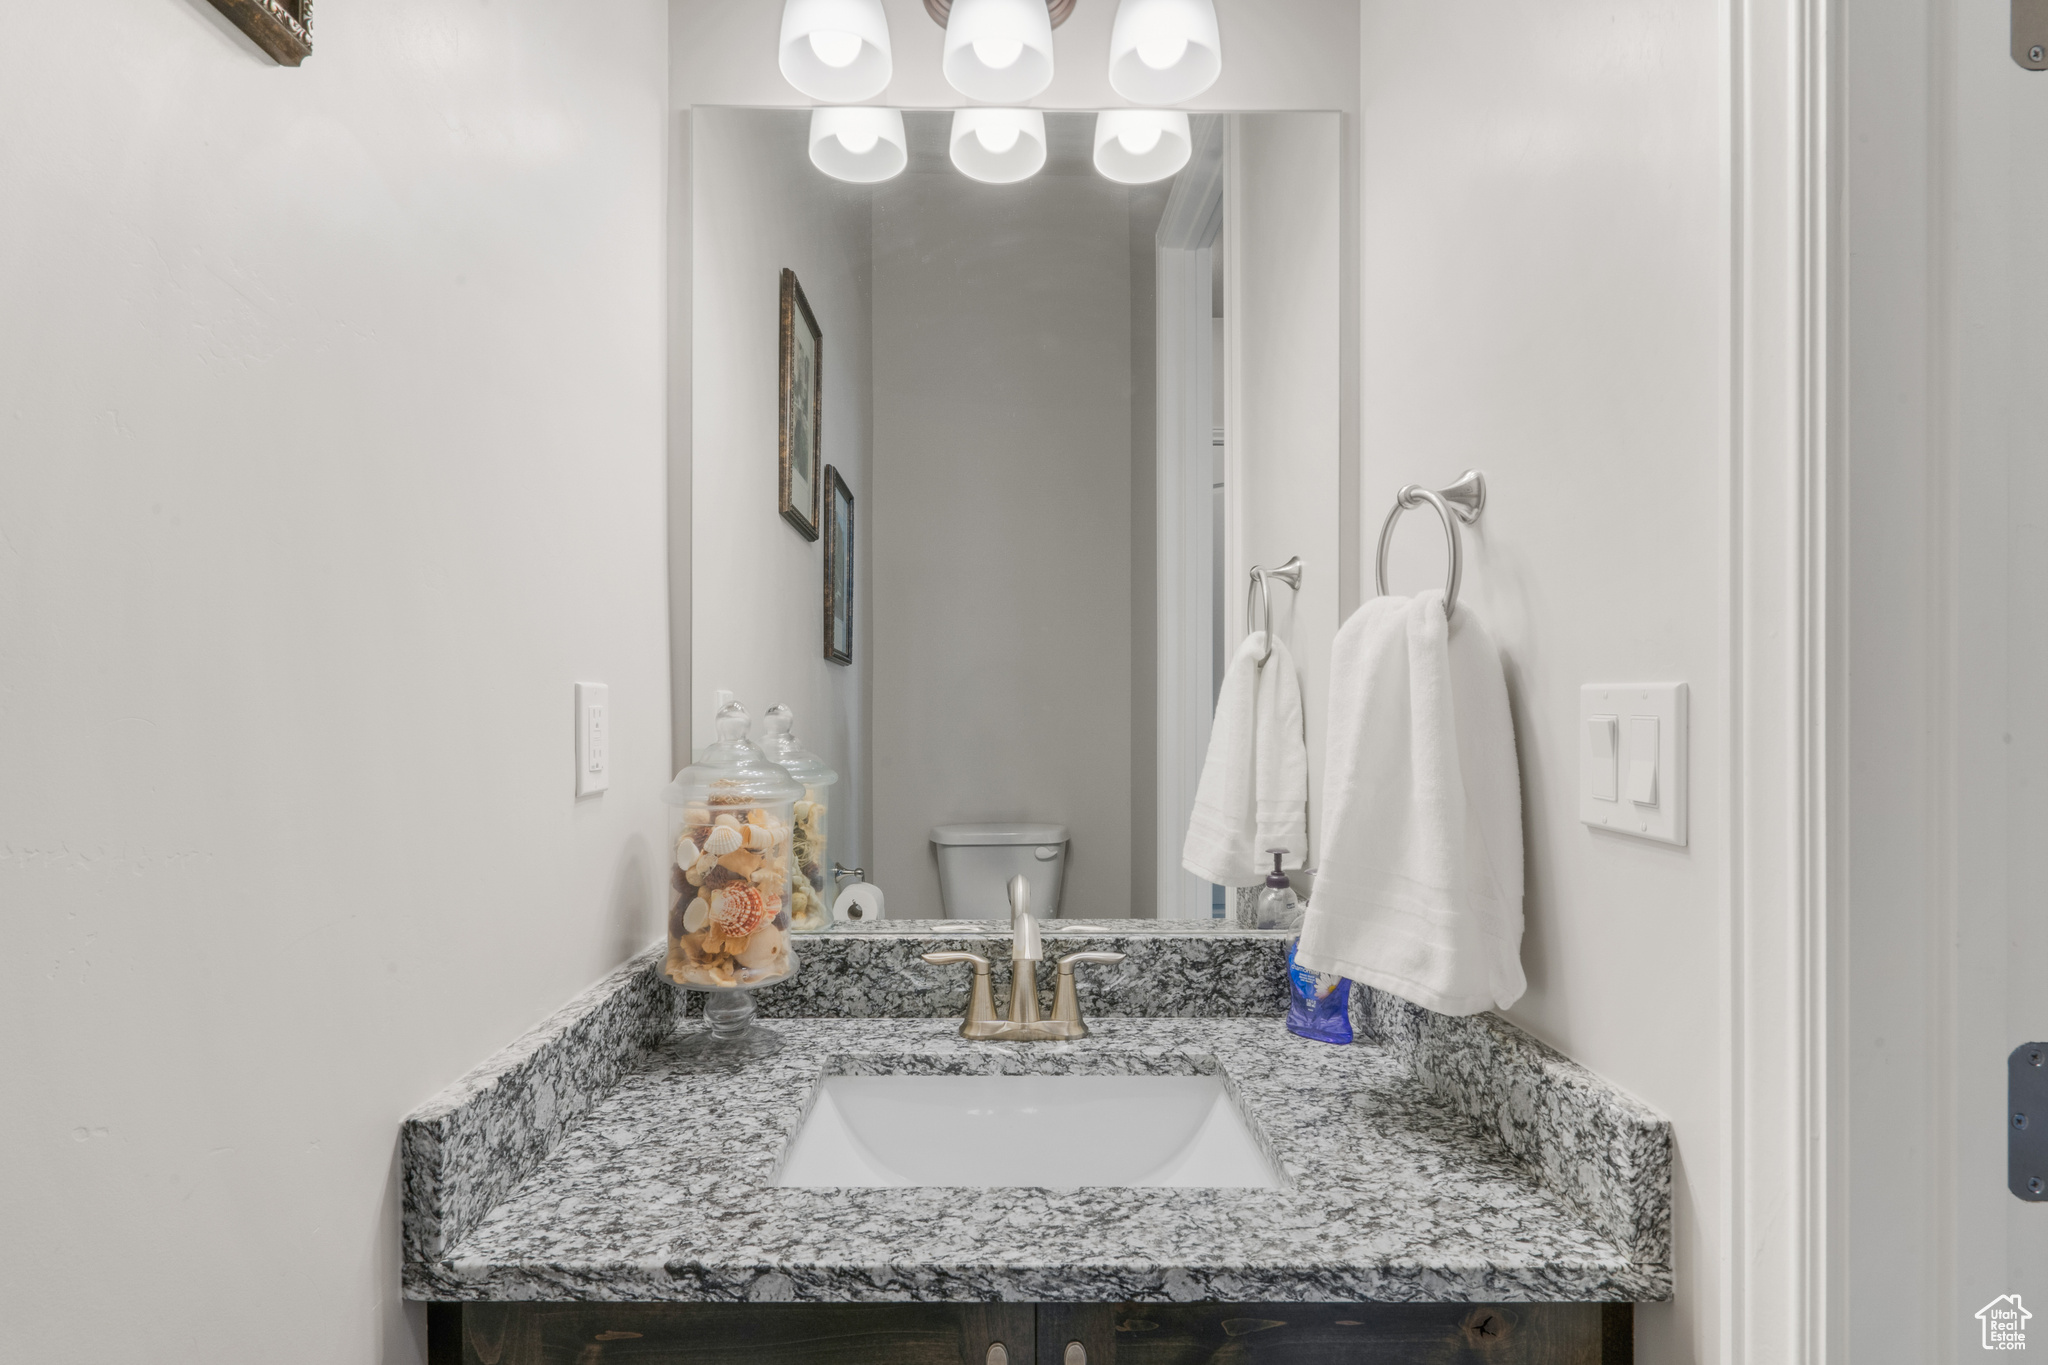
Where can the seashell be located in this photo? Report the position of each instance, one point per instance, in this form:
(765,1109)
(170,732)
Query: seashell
(724,839)
(699,833)
(763,948)
(757,836)
(696,916)
(757,816)
(736,946)
(802,809)
(741,863)
(739,910)
(727,819)
(713,942)
(687,851)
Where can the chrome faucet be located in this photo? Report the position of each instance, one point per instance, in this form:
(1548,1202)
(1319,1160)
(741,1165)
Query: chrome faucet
(1024,1025)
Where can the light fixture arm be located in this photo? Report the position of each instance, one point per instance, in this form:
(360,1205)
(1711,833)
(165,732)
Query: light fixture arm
(1055,10)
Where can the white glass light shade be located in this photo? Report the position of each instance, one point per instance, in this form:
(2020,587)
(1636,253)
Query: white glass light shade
(1164,51)
(835,49)
(1138,146)
(998,50)
(998,145)
(862,145)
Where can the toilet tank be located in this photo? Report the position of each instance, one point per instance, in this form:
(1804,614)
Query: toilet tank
(976,863)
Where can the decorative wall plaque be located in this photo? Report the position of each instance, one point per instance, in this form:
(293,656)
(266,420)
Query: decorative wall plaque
(282,28)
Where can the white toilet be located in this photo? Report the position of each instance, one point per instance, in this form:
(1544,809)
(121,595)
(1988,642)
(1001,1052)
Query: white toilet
(976,863)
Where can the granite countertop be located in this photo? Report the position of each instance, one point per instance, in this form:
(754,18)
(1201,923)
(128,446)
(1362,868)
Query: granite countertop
(1434,1159)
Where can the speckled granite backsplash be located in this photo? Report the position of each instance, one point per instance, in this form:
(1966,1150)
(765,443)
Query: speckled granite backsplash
(1192,969)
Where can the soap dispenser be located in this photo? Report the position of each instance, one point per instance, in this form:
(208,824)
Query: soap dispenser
(810,908)
(1277,907)
(731,818)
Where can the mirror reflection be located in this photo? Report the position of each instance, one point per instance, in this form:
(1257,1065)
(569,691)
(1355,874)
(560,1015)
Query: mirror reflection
(979,473)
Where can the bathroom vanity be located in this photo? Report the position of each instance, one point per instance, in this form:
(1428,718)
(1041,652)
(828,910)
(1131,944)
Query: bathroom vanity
(1442,1189)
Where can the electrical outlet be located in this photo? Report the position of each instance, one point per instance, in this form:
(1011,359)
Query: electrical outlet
(593,738)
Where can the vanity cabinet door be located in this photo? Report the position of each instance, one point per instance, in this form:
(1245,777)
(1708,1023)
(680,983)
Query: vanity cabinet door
(730,1334)
(1028,1334)
(1335,1334)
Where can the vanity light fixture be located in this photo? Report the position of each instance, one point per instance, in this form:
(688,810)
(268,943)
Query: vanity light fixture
(1164,51)
(861,144)
(1138,146)
(1000,146)
(998,50)
(835,50)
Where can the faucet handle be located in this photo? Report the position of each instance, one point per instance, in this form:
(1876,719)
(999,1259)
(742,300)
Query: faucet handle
(1066,1005)
(981,1003)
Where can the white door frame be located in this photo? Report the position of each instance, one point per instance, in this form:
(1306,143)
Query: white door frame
(1778,1048)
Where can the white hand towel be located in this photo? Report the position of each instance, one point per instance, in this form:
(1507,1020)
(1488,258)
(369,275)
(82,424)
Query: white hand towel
(1254,789)
(1420,889)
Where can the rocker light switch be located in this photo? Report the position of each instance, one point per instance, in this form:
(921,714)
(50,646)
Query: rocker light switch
(1632,763)
(1601,757)
(593,738)
(1642,760)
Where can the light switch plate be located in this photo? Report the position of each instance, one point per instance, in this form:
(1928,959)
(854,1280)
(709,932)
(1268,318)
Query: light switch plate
(593,738)
(1644,717)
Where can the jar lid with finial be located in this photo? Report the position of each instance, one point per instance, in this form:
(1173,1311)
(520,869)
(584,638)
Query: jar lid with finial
(787,751)
(732,770)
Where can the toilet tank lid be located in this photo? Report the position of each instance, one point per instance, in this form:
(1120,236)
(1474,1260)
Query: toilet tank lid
(1011,832)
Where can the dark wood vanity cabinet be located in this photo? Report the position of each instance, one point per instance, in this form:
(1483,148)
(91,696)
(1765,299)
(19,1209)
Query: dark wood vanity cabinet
(1030,1334)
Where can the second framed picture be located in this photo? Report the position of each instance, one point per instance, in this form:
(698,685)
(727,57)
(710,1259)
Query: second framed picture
(838,568)
(802,408)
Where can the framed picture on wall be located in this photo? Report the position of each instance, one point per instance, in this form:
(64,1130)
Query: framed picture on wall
(802,407)
(282,28)
(838,568)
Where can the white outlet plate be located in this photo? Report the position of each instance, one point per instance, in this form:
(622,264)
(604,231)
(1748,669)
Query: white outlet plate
(1617,757)
(593,738)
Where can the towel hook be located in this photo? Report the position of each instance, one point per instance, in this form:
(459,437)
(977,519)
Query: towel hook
(1462,501)
(1288,573)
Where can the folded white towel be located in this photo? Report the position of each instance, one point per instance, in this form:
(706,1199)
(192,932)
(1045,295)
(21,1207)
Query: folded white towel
(1420,888)
(1254,789)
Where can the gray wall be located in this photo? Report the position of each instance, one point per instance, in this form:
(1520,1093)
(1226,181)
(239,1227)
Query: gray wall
(756,586)
(1001,523)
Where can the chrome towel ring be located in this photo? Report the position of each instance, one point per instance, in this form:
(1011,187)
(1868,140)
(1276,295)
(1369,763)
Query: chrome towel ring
(1288,573)
(1462,501)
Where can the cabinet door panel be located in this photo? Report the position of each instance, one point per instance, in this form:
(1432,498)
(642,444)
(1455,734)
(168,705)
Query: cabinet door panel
(1353,1334)
(729,1334)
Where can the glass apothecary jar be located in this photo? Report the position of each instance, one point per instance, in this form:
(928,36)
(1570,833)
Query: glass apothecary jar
(731,828)
(810,905)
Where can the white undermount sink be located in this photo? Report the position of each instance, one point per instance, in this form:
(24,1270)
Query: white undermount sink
(1051,1132)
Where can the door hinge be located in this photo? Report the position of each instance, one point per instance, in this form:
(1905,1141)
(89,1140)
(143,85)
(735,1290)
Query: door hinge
(2030,34)
(2026,1122)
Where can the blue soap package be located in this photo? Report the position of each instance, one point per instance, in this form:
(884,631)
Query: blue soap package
(1321,1007)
